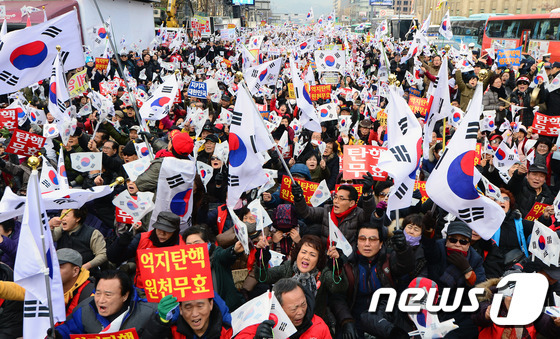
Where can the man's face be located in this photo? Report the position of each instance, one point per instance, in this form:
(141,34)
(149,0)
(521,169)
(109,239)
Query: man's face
(108,149)
(536,179)
(368,242)
(133,134)
(457,242)
(197,314)
(68,272)
(108,298)
(209,146)
(522,86)
(295,305)
(129,158)
(342,202)
(98,139)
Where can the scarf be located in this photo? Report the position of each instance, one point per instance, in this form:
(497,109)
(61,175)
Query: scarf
(82,277)
(342,215)
(307,280)
(412,241)
(500,91)
(174,240)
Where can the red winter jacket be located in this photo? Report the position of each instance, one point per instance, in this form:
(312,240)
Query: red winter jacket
(318,330)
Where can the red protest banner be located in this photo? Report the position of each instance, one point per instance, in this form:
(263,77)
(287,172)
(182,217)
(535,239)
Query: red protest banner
(477,154)
(25,143)
(536,211)
(421,186)
(308,187)
(8,119)
(182,271)
(122,216)
(101,63)
(360,159)
(546,125)
(418,105)
(320,92)
(124,334)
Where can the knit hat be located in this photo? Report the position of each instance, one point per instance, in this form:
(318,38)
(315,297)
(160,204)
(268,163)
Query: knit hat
(285,217)
(129,149)
(301,170)
(182,145)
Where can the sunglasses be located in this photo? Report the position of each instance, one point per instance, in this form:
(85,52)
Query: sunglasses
(461,241)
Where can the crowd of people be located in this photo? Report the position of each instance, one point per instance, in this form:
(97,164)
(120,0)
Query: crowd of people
(324,292)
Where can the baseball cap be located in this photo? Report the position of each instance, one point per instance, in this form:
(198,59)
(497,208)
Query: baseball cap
(136,128)
(167,221)
(556,64)
(538,168)
(120,114)
(68,255)
(212,137)
(460,228)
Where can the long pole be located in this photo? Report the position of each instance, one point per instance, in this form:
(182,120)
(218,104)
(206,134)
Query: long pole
(268,132)
(128,89)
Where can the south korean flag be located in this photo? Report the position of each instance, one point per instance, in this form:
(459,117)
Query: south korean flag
(261,75)
(452,182)
(86,161)
(330,61)
(327,112)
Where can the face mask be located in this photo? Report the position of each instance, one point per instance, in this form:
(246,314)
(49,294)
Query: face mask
(412,241)
(451,250)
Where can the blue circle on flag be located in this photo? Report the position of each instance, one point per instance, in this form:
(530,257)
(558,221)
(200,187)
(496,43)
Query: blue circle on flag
(180,202)
(29,55)
(237,150)
(460,176)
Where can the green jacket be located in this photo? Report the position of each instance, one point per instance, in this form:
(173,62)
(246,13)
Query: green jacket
(221,261)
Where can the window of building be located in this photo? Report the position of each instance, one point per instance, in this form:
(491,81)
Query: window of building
(470,11)
(534,10)
(518,11)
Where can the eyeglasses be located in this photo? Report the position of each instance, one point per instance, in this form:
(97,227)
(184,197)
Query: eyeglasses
(363,238)
(383,194)
(338,197)
(461,241)
(347,181)
(214,158)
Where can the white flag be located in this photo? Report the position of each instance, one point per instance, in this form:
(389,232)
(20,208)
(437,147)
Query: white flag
(283,326)
(308,118)
(321,194)
(61,168)
(327,112)
(263,74)
(142,150)
(554,84)
(22,68)
(505,157)
(445,28)
(136,167)
(58,92)
(136,208)
(86,161)
(205,171)
(36,255)
(263,219)
(74,197)
(175,190)
(330,61)
(556,204)
(253,312)
(240,230)
(11,205)
(49,180)
(336,236)
(452,182)
(545,244)
(159,104)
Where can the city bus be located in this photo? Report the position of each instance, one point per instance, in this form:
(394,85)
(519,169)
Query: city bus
(538,34)
(470,30)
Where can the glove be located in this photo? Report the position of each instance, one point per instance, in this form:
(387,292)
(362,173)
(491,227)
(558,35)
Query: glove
(380,209)
(367,181)
(148,135)
(219,178)
(297,191)
(459,261)
(264,331)
(428,221)
(125,239)
(266,256)
(168,309)
(349,331)
(399,241)
(53,334)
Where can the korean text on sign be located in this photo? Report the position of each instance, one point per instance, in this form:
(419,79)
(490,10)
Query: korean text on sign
(25,143)
(124,334)
(360,159)
(182,271)
(308,188)
(197,89)
(536,211)
(546,125)
(8,118)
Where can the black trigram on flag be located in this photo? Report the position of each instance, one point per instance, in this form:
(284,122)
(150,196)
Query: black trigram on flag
(400,153)
(436,82)
(174,181)
(471,214)
(401,191)
(236,118)
(254,143)
(233,180)
(34,309)
(403,124)
(46,183)
(9,78)
(255,73)
(63,56)
(282,326)
(52,31)
(472,130)
(166,89)
(337,55)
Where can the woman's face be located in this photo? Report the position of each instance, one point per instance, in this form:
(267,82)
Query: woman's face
(542,149)
(69,222)
(147,58)
(497,83)
(316,136)
(311,163)
(328,149)
(384,195)
(307,258)
(285,122)
(216,163)
(413,230)
(282,109)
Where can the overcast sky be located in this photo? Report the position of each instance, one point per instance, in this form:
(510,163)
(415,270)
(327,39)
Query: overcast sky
(302,7)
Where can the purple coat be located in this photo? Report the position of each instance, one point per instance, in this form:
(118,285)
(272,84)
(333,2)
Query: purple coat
(8,247)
